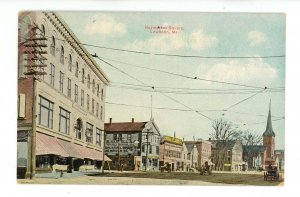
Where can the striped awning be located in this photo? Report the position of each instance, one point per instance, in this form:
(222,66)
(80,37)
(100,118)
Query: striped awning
(47,145)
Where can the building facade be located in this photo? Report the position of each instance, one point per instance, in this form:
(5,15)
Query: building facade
(204,151)
(227,155)
(65,87)
(171,152)
(255,156)
(192,156)
(133,145)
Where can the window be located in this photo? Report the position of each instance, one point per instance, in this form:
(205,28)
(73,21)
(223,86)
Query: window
(150,149)
(79,127)
(98,137)
(61,81)
(89,81)
(77,70)
(69,87)
(129,137)
(143,148)
(115,137)
(64,121)
(46,113)
(89,133)
(82,77)
(93,90)
(98,90)
(52,75)
(82,98)
(70,63)
(62,55)
(76,93)
(157,150)
(93,106)
(102,94)
(88,102)
(43,33)
(101,113)
(52,46)
(97,109)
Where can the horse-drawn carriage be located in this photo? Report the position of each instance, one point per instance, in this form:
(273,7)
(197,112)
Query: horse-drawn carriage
(272,173)
(166,167)
(205,169)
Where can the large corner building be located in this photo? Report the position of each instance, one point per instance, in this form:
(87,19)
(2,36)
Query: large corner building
(61,91)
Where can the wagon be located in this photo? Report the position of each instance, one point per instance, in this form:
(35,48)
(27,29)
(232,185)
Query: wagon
(166,167)
(271,174)
(205,169)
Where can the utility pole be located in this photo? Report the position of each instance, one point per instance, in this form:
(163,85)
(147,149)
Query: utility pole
(147,144)
(103,151)
(35,53)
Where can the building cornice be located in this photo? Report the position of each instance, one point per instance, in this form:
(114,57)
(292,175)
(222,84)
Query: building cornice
(70,37)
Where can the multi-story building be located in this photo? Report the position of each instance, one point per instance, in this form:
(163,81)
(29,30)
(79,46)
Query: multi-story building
(192,155)
(204,151)
(171,152)
(61,113)
(227,155)
(131,144)
(279,161)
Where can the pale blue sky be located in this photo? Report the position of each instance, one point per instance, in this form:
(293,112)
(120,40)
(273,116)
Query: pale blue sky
(205,34)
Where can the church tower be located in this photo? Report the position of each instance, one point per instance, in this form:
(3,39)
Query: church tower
(269,141)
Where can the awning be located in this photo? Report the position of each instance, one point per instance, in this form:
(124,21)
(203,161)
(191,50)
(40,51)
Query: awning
(46,145)
(70,149)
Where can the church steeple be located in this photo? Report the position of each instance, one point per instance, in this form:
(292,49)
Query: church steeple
(269,130)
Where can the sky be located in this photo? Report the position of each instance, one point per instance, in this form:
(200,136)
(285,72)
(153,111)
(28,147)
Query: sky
(197,34)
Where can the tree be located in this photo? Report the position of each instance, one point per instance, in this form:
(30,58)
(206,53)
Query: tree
(249,138)
(222,135)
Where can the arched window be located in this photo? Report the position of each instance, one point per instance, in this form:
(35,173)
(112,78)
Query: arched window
(52,46)
(82,79)
(77,70)
(78,128)
(70,63)
(62,55)
(93,86)
(102,94)
(89,81)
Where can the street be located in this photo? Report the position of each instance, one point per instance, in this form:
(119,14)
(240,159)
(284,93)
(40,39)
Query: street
(157,178)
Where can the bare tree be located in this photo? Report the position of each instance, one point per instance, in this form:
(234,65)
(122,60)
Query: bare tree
(222,135)
(250,138)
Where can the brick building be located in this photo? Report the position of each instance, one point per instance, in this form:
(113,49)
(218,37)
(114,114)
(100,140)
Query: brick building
(68,95)
(131,144)
(204,151)
(171,152)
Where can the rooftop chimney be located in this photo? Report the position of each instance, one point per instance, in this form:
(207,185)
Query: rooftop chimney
(110,120)
(132,120)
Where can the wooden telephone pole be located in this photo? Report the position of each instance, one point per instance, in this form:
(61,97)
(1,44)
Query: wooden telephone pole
(35,68)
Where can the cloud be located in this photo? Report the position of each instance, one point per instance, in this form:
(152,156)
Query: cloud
(198,40)
(256,38)
(105,25)
(159,43)
(254,71)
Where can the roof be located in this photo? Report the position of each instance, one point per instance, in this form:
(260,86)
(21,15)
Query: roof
(171,140)
(189,147)
(254,148)
(269,130)
(124,126)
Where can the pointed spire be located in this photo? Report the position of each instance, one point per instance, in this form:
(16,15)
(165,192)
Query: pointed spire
(269,129)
